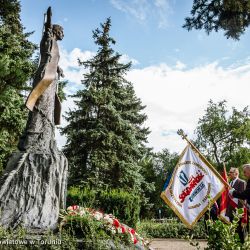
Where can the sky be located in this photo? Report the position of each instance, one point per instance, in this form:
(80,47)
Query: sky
(174,72)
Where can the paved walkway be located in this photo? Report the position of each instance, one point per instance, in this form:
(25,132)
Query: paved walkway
(175,244)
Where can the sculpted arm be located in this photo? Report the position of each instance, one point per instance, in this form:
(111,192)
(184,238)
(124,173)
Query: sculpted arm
(47,40)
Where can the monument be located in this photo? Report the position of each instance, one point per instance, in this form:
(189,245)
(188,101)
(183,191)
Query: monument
(34,184)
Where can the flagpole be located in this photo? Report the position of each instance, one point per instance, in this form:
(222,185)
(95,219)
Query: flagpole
(225,170)
(184,137)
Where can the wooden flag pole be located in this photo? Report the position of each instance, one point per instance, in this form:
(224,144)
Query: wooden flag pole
(184,137)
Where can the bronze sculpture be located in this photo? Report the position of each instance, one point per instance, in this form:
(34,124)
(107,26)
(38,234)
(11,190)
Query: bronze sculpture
(48,66)
(33,186)
(43,100)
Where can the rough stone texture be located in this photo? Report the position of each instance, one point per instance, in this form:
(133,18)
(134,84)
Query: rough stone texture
(33,190)
(33,186)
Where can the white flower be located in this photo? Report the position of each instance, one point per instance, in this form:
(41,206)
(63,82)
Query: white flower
(98,215)
(108,219)
(113,230)
(82,212)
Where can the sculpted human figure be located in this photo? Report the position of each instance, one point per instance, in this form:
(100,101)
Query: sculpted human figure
(43,101)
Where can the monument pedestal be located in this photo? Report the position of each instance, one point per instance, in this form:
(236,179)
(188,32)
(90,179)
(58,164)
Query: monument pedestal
(33,189)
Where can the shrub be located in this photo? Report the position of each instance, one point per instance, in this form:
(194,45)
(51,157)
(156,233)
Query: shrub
(224,236)
(122,204)
(170,229)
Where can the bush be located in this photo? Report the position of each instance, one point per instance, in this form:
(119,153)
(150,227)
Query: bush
(224,236)
(122,204)
(170,229)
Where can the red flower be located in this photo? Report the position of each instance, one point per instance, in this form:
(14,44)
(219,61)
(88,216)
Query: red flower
(135,240)
(132,231)
(74,207)
(123,229)
(116,223)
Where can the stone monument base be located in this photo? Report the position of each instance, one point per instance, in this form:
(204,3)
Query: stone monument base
(33,190)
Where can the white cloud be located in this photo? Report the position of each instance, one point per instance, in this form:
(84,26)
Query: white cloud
(179,65)
(69,63)
(175,98)
(163,10)
(144,9)
(126,59)
(71,59)
(137,9)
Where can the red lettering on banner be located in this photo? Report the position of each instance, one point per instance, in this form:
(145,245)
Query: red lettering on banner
(193,181)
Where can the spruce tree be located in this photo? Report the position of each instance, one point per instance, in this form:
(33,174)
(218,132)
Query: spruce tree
(16,67)
(105,133)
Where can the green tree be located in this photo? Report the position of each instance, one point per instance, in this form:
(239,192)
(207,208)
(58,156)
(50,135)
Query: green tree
(224,136)
(232,16)
(15,49)
(105,134)
(16,68)
(61,90)
(156,167)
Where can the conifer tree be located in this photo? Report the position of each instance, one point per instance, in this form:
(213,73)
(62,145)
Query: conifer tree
(105,133)
(16,67)
(232,16)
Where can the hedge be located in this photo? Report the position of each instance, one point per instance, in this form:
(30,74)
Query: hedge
(171,229)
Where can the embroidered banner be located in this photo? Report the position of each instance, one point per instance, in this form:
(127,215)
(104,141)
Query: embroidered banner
(193,186)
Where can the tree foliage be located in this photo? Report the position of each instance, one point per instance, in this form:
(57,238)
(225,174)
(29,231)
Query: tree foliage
(15,49)
(223,135)
(105,134)
(12,121)
(61,90)
(156,167)
(232,16)
(16,68)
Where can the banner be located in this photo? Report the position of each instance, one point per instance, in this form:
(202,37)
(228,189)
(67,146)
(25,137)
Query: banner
(194,185)
(224,200)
